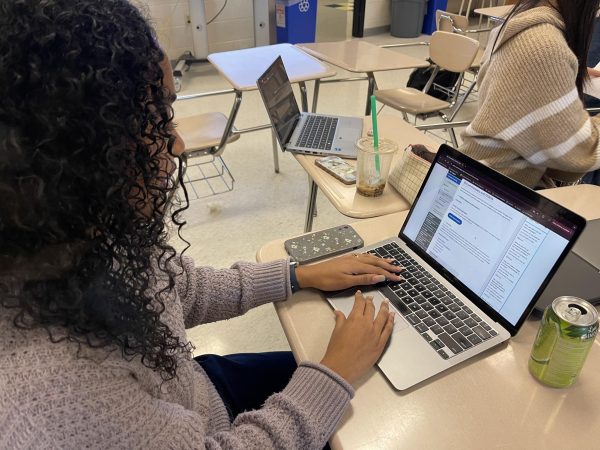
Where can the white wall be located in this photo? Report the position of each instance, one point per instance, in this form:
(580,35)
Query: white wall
(377,14)
(233,29)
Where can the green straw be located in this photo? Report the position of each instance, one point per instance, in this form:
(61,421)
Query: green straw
(375,134)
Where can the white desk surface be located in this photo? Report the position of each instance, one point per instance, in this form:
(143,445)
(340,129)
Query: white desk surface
(490,402)
(243,67)
(361,56)
(495,11)
(344,197)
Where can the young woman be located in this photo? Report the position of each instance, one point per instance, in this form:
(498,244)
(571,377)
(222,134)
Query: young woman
(531,124)
(94,302)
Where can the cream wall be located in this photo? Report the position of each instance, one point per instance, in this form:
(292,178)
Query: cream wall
(233,29)
(377,14)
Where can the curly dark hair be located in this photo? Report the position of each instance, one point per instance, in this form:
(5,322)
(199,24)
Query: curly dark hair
(85,190)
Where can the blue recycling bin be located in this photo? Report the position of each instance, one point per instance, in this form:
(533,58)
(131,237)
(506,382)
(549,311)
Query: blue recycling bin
(296,20)
(429,25)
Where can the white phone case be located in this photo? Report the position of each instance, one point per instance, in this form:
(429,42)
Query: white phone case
(339,168)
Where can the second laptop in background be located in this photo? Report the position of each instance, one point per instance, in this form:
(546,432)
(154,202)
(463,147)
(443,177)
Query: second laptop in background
(314,134)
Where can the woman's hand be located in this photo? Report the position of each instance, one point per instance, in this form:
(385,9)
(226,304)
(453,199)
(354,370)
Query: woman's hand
(593,73)
(358,341)
(347,271)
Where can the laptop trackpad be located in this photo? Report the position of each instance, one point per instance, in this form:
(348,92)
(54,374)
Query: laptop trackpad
(349,134)
(344,303)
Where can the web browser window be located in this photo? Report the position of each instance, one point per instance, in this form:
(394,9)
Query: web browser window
(501,247)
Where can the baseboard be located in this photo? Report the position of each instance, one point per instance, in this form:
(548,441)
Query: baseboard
(376,30)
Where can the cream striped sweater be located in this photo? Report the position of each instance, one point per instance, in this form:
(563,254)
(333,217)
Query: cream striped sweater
(531,124)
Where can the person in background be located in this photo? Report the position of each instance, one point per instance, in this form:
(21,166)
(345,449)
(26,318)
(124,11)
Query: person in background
(94,300)
(592,102)
(531,124)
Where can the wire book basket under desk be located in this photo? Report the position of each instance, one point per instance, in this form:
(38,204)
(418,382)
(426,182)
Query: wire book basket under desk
(205,171)
(209,175)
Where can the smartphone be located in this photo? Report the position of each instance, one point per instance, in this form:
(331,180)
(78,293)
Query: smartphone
(322,244)
(339,168)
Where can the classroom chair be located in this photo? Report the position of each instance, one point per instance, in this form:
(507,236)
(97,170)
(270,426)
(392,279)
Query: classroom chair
(455,23)
(448,51)
(202,134)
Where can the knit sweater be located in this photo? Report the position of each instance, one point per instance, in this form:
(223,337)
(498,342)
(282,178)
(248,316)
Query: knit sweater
(531,124)
(57,395)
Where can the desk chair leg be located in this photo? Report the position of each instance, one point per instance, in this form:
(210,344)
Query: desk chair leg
(370,90)
(310,207)
(230,121)
(453,137)
(461,100)
(316,95)
(275,151)
(315,210)
(303,96)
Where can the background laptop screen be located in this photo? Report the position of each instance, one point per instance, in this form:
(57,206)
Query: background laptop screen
(278,96)
(498,243)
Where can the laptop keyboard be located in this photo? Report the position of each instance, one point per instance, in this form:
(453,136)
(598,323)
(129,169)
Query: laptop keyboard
(446,323)
(318,132)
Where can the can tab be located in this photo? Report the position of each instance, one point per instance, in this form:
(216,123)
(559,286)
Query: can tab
(572,314)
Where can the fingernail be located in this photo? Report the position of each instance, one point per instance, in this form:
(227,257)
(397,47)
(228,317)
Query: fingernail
(390,260)
(359,292)
(378,278)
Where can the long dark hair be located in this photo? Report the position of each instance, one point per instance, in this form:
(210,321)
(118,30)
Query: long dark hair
(578,16)
(85,127)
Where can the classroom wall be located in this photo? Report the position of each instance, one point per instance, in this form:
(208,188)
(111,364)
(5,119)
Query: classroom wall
(378,14)
(233,29)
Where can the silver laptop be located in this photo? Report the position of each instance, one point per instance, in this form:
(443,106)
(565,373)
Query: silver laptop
(478,249)
(314,134)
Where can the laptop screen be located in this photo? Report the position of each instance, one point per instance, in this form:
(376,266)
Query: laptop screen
(497,238)
(278,97)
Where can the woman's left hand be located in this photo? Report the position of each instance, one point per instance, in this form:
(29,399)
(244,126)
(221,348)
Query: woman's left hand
(593,72)
(347,271)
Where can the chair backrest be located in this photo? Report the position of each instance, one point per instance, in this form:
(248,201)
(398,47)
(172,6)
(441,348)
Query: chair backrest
(453,23)
(451,51)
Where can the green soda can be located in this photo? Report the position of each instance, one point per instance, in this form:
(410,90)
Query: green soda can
(567,332)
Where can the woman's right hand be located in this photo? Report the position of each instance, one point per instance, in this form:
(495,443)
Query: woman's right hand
(358,341)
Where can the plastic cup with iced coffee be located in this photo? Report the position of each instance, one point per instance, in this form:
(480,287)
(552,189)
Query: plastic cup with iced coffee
(373,165)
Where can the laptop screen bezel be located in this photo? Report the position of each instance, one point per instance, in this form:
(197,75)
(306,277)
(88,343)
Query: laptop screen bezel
(530,195)
(278,65)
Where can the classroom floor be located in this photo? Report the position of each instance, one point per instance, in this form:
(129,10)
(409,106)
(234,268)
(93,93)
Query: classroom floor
(263,205)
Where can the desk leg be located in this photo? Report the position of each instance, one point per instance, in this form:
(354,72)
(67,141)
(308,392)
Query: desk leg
(371,89)
(303,96)
(316,95)
(275,151)
(229,126)
(310,207)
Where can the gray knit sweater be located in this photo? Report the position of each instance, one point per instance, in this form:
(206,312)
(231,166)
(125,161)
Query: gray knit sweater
(53,397)
(531,124)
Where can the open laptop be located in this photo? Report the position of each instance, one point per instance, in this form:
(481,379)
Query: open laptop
(314,134)
(478,249)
